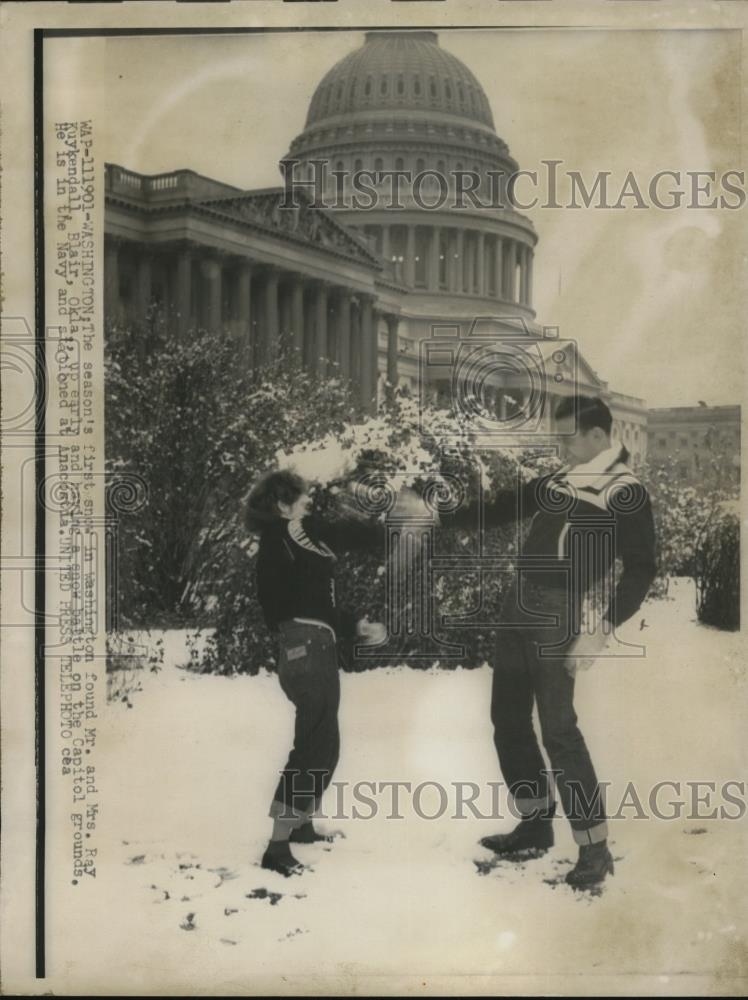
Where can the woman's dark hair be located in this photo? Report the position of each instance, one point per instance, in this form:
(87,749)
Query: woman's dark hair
(270,489)
(590,411)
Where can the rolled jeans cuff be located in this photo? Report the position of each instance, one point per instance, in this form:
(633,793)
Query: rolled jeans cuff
(295,817)
(534,807)
(593,835)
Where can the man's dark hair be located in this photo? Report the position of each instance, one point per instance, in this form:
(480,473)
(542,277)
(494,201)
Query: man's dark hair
(590,412)
(271,488)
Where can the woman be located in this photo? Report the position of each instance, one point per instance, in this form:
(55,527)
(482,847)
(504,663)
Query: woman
(296,590)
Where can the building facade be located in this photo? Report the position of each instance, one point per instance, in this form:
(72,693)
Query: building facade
(357,291)
(703,442)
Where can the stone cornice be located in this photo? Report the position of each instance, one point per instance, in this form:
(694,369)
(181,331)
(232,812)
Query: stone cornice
(312,228)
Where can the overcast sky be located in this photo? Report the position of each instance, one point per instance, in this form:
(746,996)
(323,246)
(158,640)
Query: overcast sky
(652,296)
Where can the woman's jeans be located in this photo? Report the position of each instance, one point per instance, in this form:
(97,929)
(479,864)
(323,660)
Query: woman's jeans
(529,668)
(308,674)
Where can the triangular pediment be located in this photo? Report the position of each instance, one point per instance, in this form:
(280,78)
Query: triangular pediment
(563,357)
(302,223)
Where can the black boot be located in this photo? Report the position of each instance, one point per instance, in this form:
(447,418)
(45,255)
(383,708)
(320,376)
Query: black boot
(306,834)
(278,858)
(595,862)
(534,833)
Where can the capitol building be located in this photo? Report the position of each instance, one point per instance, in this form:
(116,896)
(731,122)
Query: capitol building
(374,293)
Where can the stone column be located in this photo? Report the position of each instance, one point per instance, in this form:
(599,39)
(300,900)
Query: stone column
(369,351)
(499,264)
(530,259)
(410,256)
(509,267)
(213,281)
(393,323)
(343,332)
(480,269)
(470,245)
(269,333)
(183,291)
(111,279)
(434,261)
(297,319)
(354,342)
(386,251)
(320,329)
(522,257)
(143,285)
(451,260)
(244,296)
(460,262)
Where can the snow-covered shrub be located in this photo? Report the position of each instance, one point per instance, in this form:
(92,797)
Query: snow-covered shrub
(717,569)
(680,514)
(197,426)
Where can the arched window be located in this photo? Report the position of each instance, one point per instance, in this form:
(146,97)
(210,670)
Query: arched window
(367,87)
(400,84)
(420,165)
(379,163)
(339,92)
(383,86)
(399,163)
(447,90)
(432,86)
(461,92)
(358,165)
(417,86)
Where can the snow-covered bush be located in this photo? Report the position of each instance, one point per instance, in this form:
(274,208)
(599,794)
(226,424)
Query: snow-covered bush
(197,426)
(717,569)
(680,514)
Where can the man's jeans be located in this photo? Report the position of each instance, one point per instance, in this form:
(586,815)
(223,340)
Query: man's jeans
(308,674)
(527,672)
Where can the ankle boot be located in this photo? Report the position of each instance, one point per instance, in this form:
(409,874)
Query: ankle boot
(595,862)
(306,834)
(534,833)
(278,858)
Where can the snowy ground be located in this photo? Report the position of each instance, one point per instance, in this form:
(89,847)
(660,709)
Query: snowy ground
(400,905)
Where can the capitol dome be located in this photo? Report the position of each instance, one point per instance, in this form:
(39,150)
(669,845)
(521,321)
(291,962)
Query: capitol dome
(403,105)
(397,71)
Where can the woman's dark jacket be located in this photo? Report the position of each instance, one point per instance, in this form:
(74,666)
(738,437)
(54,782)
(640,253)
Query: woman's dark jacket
(296,568)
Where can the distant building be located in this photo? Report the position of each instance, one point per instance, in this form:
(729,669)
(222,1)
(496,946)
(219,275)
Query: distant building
(357,289)
(704,442)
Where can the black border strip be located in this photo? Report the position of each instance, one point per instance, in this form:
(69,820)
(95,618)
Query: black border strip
(40,519)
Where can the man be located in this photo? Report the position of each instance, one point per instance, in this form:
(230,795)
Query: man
(591,512)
